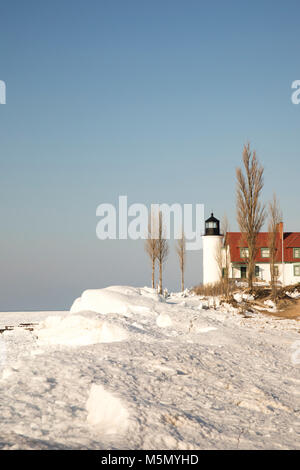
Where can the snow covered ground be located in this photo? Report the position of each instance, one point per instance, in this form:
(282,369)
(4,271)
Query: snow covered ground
(127,369)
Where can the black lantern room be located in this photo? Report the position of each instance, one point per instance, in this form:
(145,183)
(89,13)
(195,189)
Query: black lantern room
(212,226)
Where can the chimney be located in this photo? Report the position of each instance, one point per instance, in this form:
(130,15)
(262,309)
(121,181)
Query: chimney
(280,230)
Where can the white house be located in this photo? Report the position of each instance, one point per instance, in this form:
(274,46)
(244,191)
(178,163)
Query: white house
(287,255)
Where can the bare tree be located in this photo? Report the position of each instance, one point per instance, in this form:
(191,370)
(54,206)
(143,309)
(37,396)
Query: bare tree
(162,249)
(275,217)
(250,211)
(151,245)
(222,258)
(226,257)
(181,251)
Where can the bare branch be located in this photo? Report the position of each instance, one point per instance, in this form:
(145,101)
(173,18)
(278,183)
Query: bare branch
(162,248)
(250,212)
(181,252)
(275,217)
(151,245)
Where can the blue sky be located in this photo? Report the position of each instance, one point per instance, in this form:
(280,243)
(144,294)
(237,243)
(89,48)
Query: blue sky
(152,99)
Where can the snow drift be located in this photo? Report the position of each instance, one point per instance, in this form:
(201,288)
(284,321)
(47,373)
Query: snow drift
(188,376)
(76,330)
(116,299)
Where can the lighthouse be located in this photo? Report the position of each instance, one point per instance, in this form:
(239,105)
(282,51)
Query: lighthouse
(212,245)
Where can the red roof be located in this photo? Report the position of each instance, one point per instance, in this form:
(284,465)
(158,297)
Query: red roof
(290,241)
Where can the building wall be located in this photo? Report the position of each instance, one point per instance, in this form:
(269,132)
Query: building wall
(289,277)
(286,275)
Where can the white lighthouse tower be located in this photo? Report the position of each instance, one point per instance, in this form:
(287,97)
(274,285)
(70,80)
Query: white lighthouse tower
(212,244)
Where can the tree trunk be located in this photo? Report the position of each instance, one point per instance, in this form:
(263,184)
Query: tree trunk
(250,276)
(160,277)
(153,272)
(251,264)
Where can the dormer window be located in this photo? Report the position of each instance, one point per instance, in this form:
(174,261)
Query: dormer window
(265,252)
(296,252)
(244,252)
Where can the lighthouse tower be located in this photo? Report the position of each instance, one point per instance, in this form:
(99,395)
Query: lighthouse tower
(212,243)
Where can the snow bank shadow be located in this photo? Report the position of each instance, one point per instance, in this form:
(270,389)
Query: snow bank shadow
(106,412)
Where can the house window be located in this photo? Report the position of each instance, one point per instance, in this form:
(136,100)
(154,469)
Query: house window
(297,270)
(244,252)
(265,252)
(296,252)
(256,271)
(243,272)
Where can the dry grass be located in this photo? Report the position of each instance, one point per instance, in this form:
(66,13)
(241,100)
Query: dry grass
(292,288)
(214,290)
(287,307)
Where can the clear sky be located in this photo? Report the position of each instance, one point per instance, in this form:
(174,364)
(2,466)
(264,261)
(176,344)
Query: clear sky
(151,99)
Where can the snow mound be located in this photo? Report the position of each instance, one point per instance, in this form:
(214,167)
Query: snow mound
(163,320)
(294,295)
(239,297)
(78,330)
(106,411)
(270,303)
(206,329)
(116,299)
(7,372)
(76,306)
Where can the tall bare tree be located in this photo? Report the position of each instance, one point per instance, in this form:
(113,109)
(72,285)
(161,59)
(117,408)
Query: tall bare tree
(250,211)
(162,249)
(181,251)
(151,244)
(275,217)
